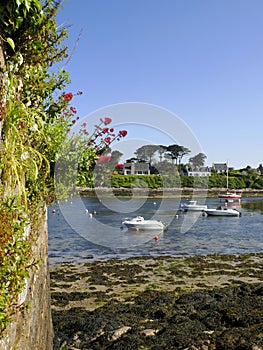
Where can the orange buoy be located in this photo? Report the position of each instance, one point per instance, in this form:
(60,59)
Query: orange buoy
(156,238)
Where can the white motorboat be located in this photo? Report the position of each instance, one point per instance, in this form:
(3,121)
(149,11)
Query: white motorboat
(139,223)
(223,211)
(193,206)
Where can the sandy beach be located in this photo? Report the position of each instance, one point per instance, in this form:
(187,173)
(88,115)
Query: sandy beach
(199,302)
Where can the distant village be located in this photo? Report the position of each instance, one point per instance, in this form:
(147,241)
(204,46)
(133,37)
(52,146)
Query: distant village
(159,159)
(132,167)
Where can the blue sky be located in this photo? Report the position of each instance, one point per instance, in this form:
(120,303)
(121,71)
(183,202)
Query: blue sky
(199,59)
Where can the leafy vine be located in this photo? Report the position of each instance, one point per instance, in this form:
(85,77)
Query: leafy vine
(32,129)
(35,119)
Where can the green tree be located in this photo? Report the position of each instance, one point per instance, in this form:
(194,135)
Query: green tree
(198,160)
(161,150)
(115,157)
(146,152)
(177,152)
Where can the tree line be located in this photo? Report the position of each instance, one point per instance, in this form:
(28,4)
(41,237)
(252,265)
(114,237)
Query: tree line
(173,153)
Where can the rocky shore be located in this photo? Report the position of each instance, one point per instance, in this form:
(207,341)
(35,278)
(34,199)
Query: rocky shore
(164,192)
(212,302)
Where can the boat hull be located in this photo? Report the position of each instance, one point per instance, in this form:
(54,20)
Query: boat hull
(142,227)
(140,224)
(222,212)
(193,206)
(230,196)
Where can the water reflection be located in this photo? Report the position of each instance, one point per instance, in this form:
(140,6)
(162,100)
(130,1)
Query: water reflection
(254,204)
(102,238)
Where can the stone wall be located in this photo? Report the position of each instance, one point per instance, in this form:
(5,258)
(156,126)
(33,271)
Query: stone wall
(32,329)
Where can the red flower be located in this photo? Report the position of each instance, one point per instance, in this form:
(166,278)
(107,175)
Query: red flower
(120,166)
(107,120)
(105,130)
(111,129)
(107,139)
(73,110)
(68,96)
(123,133)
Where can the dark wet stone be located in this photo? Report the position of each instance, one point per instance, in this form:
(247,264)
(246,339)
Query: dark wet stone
(225,318)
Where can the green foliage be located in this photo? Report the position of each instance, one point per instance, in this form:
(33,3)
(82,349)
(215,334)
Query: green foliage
(15,254)
(149,181)
(258,183)
(198,160)
(35,117)
(170,181)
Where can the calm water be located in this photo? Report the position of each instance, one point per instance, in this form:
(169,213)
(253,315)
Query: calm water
(75,236)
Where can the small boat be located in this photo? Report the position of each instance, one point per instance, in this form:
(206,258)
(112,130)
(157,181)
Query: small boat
(193,206)
(230,195)
(139,223)
(222,211)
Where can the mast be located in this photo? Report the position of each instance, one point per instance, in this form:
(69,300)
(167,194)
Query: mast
(227,175)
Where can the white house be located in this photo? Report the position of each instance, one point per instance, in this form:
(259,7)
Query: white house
(136,169)
(200,171)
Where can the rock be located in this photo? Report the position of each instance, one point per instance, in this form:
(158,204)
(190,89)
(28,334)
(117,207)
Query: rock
(226,317)
(119,332)
(150,332)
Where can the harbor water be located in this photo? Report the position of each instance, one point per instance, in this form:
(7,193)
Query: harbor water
(89,229)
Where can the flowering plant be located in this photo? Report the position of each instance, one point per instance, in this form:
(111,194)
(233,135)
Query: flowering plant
(81,152)
(34,120)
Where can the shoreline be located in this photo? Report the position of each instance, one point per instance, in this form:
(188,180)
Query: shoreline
(163,192)
(197,302)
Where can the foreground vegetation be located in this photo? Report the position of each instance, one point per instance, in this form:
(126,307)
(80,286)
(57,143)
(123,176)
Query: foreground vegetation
(237,181)
(36,120)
